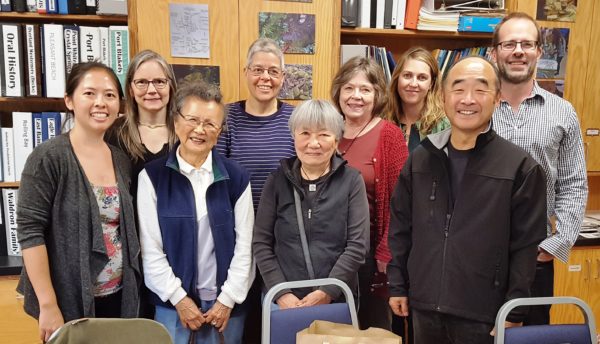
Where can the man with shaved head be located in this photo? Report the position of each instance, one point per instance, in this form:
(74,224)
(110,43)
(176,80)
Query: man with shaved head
(466,217)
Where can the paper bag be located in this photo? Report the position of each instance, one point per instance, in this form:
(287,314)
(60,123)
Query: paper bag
(326,332)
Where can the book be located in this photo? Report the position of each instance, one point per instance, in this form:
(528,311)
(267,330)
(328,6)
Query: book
(5,6)
(411,17)
(89,43)
(348,51)
(33,60)
(23,140)
(3,246)
(364,9)
(71,36)
(90,6)
(350,13)
(72,7)
(51,125)
(12,61)
(104,46)
(111,7)
(9,200)
(38,136)
(54,60)
(32,6)
(18,5)
(41,6)
(394,18)
(8,155)
(400,16)
(119,52)
(478,23)
(51,6)
(387,14)
(379,14)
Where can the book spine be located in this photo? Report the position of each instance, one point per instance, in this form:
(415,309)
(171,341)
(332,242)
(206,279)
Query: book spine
(104,46)
(38,132)
(31,6)
(89,43)
(119,52)
(401,15)
(54,61)
(112,7)
(365,13)
(51,6)
(33,77)
(8,155)
(2,71)
(412,14)
(18,5)
(13,69)
(9,198)
(5,6)
(23,132)
(71,36)
(387,14)
(394,14)
(350,12)
(3,236)
(63,6)
(51,124)
(41,6)
(77,6)
(90,6)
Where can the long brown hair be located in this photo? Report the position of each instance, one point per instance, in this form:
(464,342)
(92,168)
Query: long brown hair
(433,109)
(129,133)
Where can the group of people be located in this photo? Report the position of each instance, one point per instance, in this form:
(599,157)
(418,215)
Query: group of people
(412,194)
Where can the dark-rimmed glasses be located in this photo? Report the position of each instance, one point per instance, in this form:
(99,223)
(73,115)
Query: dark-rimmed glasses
(512,45)
(159,83)
(195,122)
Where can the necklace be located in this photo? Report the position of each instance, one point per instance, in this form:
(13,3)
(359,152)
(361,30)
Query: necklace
(152,126)
(356,136)
(313,186)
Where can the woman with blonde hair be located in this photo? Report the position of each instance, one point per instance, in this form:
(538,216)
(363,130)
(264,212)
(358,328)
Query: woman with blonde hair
(415,96)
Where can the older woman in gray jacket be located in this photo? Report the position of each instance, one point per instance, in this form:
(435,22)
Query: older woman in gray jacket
(334,209)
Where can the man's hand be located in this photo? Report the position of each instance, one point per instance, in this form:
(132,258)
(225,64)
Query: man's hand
(288,300)
(507,324)
(544,256)
(189,314)
(399,305)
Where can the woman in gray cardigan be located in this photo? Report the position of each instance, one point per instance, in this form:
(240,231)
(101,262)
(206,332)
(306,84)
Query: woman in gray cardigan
(75,215)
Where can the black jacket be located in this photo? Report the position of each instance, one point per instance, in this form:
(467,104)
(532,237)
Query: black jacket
(337,230)
(466,259)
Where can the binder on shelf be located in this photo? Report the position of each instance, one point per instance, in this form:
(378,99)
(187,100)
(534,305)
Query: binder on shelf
(51,6)
(72,6)
(111,7)
(89,43)
(379,13)
(364,13)
(5,6)
(412,14)
(104,46)
(8,155)
(387,14)
(71,36)
(18,5)
(12,61)
(3,246)
(350,13)
(23,140)
(401,14)
(9,199)
(41,6)
(54,61)
(33,60)
(38,136)
(32,6)
(119,51)
(348,51)
(90,6)
(51,125)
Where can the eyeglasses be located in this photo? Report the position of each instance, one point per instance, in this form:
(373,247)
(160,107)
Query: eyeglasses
(275,73)
(159,84)
(512,45)
(195,122)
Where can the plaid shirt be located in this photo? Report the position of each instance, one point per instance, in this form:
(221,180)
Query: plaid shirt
(546,126)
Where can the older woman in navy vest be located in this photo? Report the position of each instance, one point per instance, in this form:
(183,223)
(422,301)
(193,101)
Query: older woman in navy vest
(196,217)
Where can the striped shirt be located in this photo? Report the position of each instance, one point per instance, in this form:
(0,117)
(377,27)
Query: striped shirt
(547,127)
(257,142)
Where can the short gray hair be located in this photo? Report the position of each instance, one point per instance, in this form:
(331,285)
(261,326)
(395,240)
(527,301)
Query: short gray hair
(319,114)
(201,90)
(264,45)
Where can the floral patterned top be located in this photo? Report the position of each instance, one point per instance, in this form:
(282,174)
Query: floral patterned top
(109,280)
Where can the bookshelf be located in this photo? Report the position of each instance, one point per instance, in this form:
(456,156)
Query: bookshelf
(10,265)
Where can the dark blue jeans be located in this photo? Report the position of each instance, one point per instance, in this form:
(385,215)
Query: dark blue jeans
(439,328)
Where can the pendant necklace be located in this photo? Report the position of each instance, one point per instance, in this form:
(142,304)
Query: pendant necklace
(152,126)
(313,186)
(356,136)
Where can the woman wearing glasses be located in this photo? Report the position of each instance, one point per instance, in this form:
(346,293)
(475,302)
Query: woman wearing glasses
(195,218)
(146,132)
(257,135)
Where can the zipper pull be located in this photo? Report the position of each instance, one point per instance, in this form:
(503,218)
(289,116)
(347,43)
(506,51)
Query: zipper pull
(433,187)
(447,226)
(309,213)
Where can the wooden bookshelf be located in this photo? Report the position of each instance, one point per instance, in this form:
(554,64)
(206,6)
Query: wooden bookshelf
(31,17)
(32,104)
(390,33)
(9,184)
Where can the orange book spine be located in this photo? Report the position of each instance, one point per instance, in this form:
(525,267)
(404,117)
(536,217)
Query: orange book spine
(412,14)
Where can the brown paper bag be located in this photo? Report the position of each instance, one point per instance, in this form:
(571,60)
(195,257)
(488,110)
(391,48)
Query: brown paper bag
(326,332)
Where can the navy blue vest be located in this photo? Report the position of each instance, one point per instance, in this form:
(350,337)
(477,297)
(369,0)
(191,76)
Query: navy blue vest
(176,210)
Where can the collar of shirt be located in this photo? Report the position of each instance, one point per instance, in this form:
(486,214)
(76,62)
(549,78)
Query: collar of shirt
(187,169)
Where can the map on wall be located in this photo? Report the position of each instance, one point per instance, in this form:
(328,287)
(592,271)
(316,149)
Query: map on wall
(557,10)
(554,44)
(294,32)
(297,83)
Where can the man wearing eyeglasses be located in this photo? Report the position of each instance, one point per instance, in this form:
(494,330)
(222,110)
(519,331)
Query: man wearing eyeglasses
(546,126)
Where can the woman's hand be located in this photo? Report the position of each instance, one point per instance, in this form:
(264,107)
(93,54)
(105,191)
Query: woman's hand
(49,321)
(399,305)
(288,300)
(189,314)
(381,266)
(317,297)
(218,316)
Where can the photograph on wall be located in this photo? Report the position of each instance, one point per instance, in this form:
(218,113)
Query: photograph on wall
(208,74)
(297,83)
(554,45)
(553,86)
(294,32)
(557,10)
